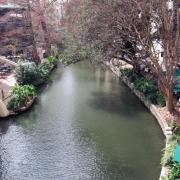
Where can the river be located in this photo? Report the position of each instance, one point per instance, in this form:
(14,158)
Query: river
(85,125)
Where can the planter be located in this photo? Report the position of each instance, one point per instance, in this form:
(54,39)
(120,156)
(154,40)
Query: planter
(24,108)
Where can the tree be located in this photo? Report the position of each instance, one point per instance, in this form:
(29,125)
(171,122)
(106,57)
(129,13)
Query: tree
(142,29)
(161,32)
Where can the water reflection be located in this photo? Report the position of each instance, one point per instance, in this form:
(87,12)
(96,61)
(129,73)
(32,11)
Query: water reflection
(84,126)
(4,126)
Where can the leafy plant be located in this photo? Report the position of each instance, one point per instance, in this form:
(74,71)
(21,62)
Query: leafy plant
(28,73)
(168,151)
(46,66)
(167,158)
(52,60)
(174,170)
(127,72)
(160,98)
(175,128)
(21,96)
(145,86)
(157,97)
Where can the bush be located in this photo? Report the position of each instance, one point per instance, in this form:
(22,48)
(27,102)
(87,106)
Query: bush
(46,66)
(174,170)
(169,151)
(175,128)
(70,58)
(21,96)
(160,98)
(150,91)
(52,60)
(28,73)
(157,98)
(167,159)
(145,86)
(78,52)
(126,72)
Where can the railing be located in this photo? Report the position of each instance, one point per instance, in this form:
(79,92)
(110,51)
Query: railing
(5,60)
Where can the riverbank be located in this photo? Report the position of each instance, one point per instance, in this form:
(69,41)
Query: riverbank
(29,77)
(155,110)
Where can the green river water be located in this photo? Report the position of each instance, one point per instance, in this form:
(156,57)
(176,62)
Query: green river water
(85,125)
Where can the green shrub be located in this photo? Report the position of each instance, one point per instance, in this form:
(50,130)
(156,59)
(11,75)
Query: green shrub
(175,128)
(169,151)
(67,58)
(145,86)
(152,97)
(28,73)
(157,98)
(174,170)
(167,158)
(21,96)
(126,72)
(160,97)
(52,60)
(150,91)
(47,65)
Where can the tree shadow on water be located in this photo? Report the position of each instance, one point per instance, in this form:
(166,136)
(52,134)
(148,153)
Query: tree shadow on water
(4,126)
(123,104)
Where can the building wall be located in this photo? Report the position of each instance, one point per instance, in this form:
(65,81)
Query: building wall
(21,30)
(15,33)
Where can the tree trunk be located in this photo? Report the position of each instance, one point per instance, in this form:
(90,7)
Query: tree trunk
(169,100)
(35,53)
(46,36)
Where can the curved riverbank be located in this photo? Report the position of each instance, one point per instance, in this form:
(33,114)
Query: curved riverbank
(166,129)
(23,92)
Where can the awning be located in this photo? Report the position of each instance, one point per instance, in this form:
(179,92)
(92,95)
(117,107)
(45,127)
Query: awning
(177,154)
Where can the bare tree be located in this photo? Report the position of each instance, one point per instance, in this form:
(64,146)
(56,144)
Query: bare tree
(148,27)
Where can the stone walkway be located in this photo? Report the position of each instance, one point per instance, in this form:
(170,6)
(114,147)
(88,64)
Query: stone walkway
(7,85)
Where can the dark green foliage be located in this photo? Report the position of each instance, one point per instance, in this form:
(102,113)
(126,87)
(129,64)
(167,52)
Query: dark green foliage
(167,158)
(73,57)
(127,72)
(174,170)
(176,129)
(145,86)
(45,67)
(130,74)
(157,97)
(75,52)
(27,73)
(53,60)
(30,73)
(21,96)
(160,98)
